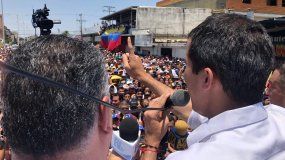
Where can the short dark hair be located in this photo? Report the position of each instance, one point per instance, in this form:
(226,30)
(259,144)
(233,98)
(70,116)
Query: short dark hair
(238,50)
(115,95)
(41,120)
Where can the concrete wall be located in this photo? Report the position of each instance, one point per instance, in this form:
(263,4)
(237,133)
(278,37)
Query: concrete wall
(143,40)
(178,52)
(169,20)
(164,23)
(193,17)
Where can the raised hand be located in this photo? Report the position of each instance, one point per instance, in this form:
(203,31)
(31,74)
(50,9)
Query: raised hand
(132,62)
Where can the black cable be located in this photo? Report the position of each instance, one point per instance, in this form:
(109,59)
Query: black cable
(52,83)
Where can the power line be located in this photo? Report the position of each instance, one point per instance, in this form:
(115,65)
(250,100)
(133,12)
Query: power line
(109,9)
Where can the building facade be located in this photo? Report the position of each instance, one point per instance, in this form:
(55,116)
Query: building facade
(213,4)
(160,31)
(258,6)
(255,9)
(164,30)
(258,10)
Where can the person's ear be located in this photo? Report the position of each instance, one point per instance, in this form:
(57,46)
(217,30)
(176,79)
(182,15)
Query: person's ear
(105,117)
(207,78)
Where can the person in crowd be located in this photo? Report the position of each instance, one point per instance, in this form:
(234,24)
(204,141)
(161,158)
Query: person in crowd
(43,122)
(115,99)
(121,92)
(124,105)
(145,103)
(127,97)
(229,59)
(276,90)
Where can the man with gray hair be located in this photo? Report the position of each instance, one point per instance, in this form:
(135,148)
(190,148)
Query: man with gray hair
(43,122)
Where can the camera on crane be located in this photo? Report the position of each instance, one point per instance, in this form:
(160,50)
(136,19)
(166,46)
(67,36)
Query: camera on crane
(39,19)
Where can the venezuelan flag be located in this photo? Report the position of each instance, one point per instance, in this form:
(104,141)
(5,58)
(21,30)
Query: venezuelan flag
(104,40)
(114,41)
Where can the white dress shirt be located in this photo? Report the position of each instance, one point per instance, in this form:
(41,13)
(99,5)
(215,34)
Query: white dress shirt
(254,132)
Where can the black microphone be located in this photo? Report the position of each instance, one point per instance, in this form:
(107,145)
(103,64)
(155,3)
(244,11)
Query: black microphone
(125,142)
(129,129)
(178,98)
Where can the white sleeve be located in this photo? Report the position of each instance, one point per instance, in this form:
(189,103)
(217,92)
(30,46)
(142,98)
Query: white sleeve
(195,119)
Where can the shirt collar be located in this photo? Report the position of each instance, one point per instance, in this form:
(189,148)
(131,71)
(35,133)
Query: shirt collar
(228,120)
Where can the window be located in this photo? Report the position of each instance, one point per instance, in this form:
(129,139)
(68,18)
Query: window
(222,5)
(246,1)
(283,3)
(272,2)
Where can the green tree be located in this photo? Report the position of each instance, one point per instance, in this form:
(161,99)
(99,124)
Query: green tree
(66,33)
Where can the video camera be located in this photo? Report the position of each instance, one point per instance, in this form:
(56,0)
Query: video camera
(39,19)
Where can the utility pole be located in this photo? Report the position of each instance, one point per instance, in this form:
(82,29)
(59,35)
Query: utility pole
(109,10)
(18,38)
(34,27)
(4,38)
(24,28)
(81,21)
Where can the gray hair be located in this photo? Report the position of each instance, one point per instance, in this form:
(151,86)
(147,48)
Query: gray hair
(41,120)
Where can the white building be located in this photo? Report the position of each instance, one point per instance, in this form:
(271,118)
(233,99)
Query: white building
(159,30)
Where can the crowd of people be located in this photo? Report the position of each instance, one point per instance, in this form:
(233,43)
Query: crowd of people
(126,90)
(4,52)
(129,93)
(5,150)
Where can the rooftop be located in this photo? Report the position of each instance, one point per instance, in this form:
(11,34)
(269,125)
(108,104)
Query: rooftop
(118,13)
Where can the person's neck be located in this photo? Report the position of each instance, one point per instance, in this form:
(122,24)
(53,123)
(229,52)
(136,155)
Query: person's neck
(87,150)
(64,155)
(221,104)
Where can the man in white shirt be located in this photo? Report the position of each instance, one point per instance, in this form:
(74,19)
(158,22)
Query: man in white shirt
(229,58)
